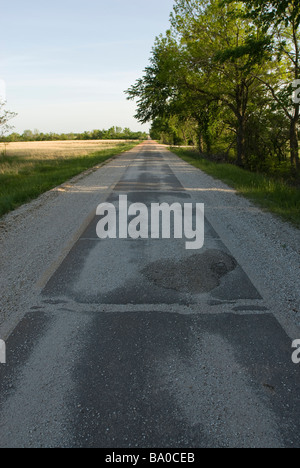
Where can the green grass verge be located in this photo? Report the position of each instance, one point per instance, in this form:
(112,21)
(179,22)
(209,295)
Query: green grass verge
(271,194)
(23,180)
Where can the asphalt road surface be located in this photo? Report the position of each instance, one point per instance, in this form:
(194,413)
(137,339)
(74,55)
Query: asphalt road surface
(143,343)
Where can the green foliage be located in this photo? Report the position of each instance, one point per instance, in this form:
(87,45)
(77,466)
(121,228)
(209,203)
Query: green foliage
(273,12)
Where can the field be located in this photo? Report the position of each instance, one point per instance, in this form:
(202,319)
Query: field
(49,150)
(31,168)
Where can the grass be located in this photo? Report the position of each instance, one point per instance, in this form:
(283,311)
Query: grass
(268,193)
(30,169)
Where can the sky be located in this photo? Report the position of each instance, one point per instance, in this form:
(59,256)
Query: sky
(64,65)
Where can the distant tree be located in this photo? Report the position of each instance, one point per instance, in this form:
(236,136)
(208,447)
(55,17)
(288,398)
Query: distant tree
(96,135)
(14,137)
(127,132)
(27,135)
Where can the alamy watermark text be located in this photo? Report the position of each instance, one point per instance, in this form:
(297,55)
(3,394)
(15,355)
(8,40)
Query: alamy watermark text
(154,222)
(296,354)
(2,352)
(296,93)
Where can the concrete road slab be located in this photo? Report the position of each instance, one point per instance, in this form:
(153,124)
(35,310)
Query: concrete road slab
(143,343)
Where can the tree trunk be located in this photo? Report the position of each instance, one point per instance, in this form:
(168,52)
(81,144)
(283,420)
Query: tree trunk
(200,143)
(294,144)
(241,140)
(207,140)
(208,147)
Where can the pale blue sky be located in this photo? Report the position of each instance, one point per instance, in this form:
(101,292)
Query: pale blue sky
(66,63)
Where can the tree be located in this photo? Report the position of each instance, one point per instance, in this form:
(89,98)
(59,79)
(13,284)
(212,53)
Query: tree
(28,135)
(158,87)
(166,96)
(280,19)
(5,117)
(223,57)
(204,64)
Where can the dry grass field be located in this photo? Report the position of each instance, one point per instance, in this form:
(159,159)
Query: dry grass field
(28,169)
(57,149)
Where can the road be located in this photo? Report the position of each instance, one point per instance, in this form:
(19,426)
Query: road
(143,343)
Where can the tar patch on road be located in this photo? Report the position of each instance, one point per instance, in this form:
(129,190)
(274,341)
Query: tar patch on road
(196,274)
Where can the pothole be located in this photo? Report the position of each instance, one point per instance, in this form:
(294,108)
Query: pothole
(196,274)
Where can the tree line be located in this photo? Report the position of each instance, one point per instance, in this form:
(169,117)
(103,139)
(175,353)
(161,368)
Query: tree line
(225,77)
(113,133)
